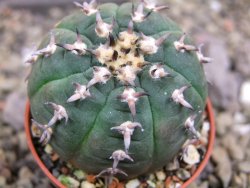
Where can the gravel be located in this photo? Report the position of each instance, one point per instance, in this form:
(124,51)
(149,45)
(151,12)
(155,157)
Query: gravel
(221,25)
(244,166)
(224,169)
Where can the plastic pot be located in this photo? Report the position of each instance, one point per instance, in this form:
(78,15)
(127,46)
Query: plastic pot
(57,183)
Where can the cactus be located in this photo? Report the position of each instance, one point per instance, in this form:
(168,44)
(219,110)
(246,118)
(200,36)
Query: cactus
(117,90)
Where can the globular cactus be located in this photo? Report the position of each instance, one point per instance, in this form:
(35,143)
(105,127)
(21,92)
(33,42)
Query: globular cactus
(117,90)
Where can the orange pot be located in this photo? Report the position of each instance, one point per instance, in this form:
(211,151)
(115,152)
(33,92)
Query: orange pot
(54,180)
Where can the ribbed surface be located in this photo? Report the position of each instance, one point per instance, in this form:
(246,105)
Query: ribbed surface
(87,140)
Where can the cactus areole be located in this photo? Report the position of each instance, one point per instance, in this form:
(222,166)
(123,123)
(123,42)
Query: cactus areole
(112,88)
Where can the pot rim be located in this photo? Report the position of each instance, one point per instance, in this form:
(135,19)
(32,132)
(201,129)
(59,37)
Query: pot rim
(56,182)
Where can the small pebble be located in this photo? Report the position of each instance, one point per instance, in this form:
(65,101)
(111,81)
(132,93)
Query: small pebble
(244,93)
(69,181)
(236,151)
(24,183)
(47,161)
(64,170)
(2,155)
(151,184)
(14,109)
(243,129)
(48,149)
(5,172)
(223,162)
(204,185)
(80,175)
(183,174)
(5,132)
(160,184)
(99,183)
(55,172)
(54,156)
(173,165)
(205,132)
(215,6)
(2,181)
(22,141)
(214,181)
(69,165)
(161,176)
(244,141)
(175,185)
(151,177)
(205,128)
(25,173)
(224,121)
(239,118)
(86,184)
(239,180)
(244,166)
(191,156)
(133,183)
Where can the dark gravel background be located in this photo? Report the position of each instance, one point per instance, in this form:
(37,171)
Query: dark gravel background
(223,25)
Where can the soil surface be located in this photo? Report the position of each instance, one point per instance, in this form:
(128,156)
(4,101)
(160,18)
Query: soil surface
(222,25)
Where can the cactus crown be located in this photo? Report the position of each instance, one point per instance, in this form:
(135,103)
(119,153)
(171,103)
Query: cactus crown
(137,85)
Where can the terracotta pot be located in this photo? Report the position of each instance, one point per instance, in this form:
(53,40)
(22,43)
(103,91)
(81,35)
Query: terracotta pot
(209,110)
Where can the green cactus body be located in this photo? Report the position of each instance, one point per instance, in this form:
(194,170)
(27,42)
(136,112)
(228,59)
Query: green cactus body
(86,140)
